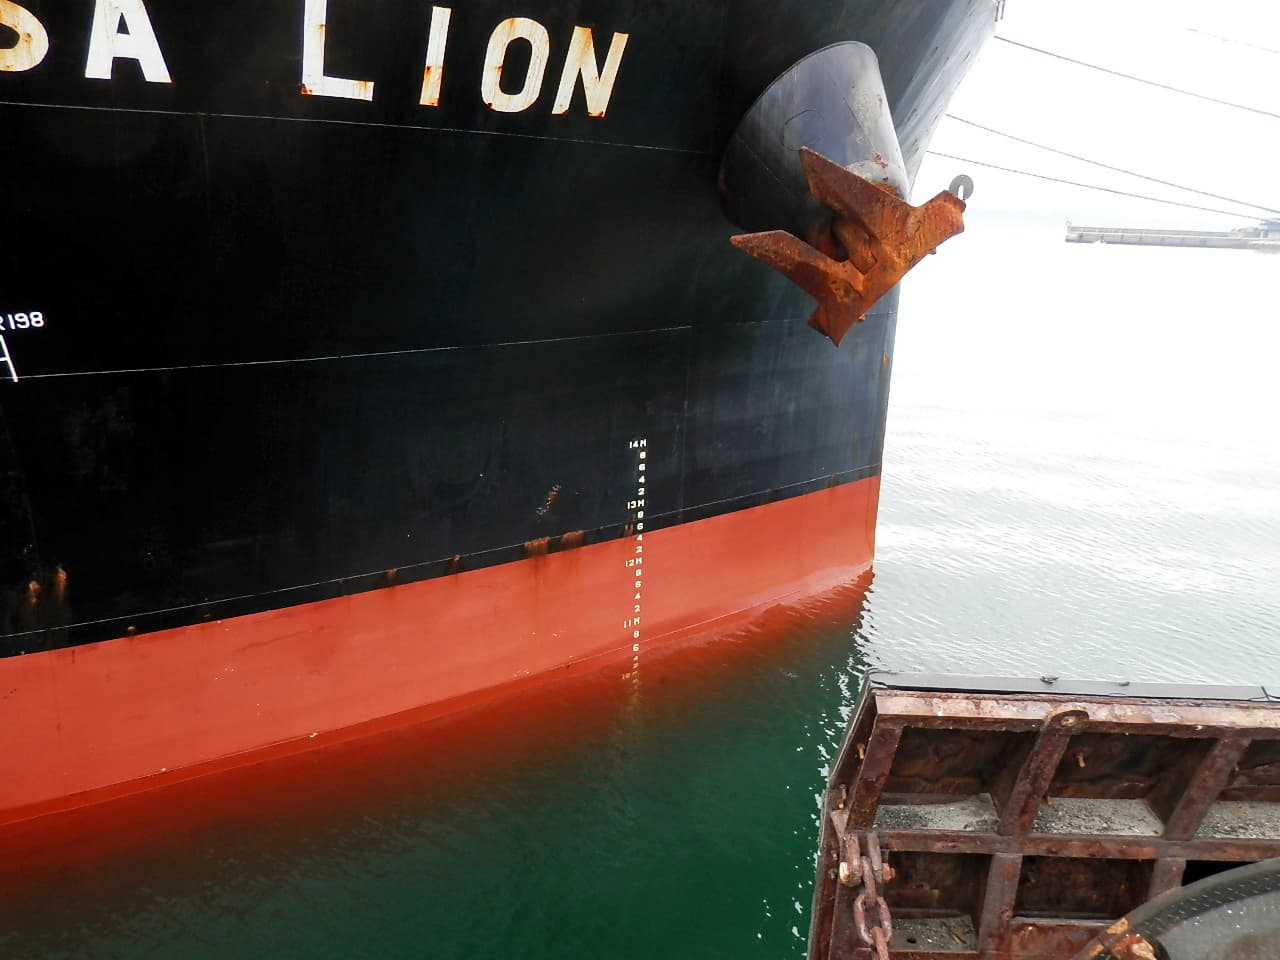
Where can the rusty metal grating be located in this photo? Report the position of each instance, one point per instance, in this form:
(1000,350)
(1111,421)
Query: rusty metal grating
(1019,819)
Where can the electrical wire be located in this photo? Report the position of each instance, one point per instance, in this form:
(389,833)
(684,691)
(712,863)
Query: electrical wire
(1242,43)
(1151,83)
(1107,166)
(1092,186)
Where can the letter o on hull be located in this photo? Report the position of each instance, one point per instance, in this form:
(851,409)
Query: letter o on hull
(508,31)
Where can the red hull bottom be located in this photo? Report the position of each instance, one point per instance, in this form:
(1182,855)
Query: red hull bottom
(85,724)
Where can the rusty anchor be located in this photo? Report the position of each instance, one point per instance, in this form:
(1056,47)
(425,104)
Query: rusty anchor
(873,240)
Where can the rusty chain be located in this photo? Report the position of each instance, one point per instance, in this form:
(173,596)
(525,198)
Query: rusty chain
(870,911)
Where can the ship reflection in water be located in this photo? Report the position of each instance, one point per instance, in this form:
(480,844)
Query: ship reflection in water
(598,815)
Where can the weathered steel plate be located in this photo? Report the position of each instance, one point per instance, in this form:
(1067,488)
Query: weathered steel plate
(1020,819)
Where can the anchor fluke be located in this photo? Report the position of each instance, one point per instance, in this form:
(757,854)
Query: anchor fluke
(873,240)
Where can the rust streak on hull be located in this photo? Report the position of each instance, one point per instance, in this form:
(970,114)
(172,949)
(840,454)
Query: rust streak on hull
(100,720)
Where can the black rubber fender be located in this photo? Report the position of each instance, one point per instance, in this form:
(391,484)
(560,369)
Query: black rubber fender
(1233,915)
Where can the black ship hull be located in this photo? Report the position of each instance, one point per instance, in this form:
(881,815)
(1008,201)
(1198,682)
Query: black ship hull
(299,346)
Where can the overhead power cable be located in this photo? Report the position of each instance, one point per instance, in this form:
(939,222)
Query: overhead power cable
(1242,43)
(1093,186)
(1107,166)
(1150,83)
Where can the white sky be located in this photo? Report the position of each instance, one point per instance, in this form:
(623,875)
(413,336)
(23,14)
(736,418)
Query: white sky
(1117,121)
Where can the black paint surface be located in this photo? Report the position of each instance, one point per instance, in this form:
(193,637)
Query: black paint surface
(293,342)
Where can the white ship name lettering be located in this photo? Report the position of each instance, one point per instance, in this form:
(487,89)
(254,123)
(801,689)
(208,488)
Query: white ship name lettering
(122,30)
(314,82)
(581,62)
(508,31)
(33,39)
(107,44)
(433,72)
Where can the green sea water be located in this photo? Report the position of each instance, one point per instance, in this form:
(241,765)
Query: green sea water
(1081,479)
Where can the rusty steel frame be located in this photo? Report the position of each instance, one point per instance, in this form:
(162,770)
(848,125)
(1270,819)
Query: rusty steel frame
(1207,740)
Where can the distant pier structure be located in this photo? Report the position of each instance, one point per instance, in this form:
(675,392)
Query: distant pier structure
(1264,236)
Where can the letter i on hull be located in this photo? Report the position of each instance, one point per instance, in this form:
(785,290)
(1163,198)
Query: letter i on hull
(433,71)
